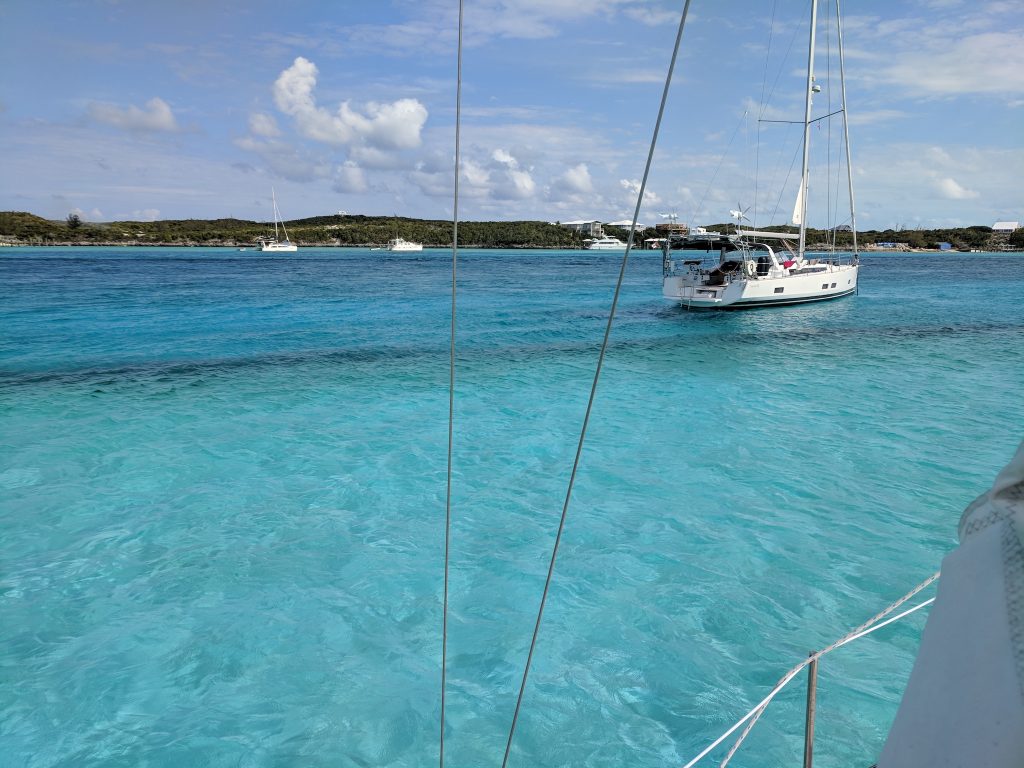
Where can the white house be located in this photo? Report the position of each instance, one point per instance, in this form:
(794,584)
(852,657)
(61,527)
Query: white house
(1005,226)
(588,228)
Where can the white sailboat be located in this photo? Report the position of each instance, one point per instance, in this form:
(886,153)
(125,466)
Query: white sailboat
(758,268)
(277,245)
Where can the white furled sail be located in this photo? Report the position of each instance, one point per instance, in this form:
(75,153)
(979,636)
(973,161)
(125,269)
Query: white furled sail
(798,209)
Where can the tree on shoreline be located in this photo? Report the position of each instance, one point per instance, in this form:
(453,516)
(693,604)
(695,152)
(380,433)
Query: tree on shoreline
(359,230)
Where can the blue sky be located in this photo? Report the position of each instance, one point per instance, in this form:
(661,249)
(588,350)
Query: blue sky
(119,109)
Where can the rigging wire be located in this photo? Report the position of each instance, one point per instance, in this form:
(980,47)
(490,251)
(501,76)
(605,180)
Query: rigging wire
(597,376)
(782,189)
(703,197)
(764,83)
(869,626)
(829,218)
(778,74)
(451,389)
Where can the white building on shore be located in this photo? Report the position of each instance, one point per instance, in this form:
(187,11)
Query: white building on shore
(586,228)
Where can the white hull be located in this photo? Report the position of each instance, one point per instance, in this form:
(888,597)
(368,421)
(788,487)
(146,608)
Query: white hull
(605,244)
(693,291)
(404,245)
(279,247)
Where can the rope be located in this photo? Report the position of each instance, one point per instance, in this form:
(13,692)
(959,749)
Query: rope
(811,658)
(451,392)
(593,387)
(707,189)
(866,628)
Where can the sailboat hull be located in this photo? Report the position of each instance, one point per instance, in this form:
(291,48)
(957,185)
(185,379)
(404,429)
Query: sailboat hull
(693,290)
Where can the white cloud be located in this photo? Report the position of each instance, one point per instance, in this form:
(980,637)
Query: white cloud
(156,117)
(378,159)
(396,125)
(94,215)
(475,174)
(945,54)
(630,185)
(632,188)
(652,17)
(504,157)
(576,179)
(285,160)
(951,186)
(262,124)
(630,76)
(500,177)
(517,185)
(991,62)
(949,189)
(874,116)
(510,182)
(146,214)
(435,28)
(350,178)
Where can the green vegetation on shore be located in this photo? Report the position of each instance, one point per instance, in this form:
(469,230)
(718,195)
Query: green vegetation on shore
(29,229)
(316,231)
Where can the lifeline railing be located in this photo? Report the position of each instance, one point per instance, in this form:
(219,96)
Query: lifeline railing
(869,626)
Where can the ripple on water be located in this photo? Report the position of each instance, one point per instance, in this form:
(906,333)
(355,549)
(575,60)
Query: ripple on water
(223,487)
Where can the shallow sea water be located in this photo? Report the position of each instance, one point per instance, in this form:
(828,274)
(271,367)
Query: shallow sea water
(222,483)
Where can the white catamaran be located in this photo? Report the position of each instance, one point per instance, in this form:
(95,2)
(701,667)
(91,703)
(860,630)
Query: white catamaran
(758,268)
(277,245)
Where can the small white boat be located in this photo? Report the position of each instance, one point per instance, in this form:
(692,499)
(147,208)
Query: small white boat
(277,245)
(606,243)
(398,244)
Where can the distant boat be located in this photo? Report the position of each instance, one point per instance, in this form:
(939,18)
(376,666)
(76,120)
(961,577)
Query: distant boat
(606,243)
(276,245)
(398,244)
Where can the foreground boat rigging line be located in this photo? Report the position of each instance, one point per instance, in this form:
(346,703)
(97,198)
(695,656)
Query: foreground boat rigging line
(746,270)
(451,389)
(871,625)
(597,377)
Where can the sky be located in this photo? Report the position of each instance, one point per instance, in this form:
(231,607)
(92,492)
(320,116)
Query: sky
(131,109)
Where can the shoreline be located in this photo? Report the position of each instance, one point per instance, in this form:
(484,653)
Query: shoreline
(426,246)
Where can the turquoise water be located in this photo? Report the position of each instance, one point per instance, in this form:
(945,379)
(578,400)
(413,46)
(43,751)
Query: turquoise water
(222,484)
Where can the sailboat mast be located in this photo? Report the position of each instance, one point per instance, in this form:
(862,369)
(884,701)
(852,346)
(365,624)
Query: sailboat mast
(807,128)
(273,197)
(846,131)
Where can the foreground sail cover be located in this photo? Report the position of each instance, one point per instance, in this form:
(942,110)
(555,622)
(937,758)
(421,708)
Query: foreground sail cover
(964,703)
